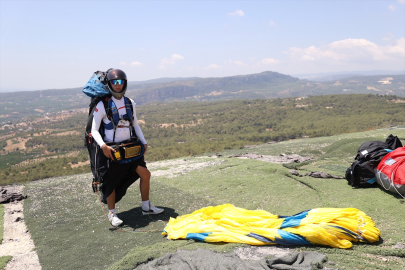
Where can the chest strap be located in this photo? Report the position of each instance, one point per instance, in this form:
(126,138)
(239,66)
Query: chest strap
(114,117)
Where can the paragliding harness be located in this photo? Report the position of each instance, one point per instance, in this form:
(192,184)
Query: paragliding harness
(361,173)
(391,172)
(126,151)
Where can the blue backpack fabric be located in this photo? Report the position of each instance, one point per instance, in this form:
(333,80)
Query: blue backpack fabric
(97,85)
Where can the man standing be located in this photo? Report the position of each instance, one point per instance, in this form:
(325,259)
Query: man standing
(121,175)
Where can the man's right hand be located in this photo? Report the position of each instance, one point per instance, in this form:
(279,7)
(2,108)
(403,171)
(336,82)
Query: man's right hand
(108,151)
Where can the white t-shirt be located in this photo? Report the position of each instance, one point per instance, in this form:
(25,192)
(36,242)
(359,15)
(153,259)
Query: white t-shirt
(121,134)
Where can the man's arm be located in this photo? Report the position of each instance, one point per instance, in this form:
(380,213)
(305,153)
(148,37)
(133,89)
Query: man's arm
(137,128)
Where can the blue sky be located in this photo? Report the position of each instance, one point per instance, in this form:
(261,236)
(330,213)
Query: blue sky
(59,44)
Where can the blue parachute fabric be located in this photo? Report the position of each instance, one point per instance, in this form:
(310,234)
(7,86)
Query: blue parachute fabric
(348,232)
(335,227)
(198,236)
(95,87)
(293,221)
(260,238)
(288,239)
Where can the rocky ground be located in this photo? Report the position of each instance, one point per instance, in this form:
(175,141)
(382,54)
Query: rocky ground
(17,240)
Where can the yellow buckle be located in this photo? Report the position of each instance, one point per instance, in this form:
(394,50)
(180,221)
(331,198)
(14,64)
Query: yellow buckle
(117,155)
(132,151)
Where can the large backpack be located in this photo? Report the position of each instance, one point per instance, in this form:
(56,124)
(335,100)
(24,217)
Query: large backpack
(362,171)
(391,172)
(97,86)
(97,89)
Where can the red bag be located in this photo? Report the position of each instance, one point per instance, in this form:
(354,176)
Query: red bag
(391,172)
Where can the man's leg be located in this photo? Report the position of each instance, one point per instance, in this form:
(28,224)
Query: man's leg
(147,207)
(112,215)
(111,201)
(144,185)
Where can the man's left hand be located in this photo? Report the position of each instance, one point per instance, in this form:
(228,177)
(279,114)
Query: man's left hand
(146,148)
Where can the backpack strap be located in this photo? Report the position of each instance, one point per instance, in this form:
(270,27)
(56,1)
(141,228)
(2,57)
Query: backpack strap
(130,114)
(365,153)
(353,181)
(108,113)
(114,117)
(128,106)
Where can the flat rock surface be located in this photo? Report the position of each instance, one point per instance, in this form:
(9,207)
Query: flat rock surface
(316,174)
(11,194)
(17,240)
(275,159)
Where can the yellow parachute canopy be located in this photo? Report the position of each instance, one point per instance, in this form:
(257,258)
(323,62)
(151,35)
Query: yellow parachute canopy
(335,227)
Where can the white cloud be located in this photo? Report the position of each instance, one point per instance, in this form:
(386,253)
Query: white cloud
(389,37)
(123,63)
(213,66)
(170,61)
(269,61)
(392,7)
(352,53)
(237,13)
(239,63)
(136,64)
(401,1)
(271,23)
(176,57)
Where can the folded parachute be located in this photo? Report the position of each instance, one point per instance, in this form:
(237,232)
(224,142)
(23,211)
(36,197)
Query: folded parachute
(335,227)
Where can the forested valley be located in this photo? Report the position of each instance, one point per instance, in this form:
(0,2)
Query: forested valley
(180,129)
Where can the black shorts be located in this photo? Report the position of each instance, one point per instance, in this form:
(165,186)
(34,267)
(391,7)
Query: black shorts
(119,177)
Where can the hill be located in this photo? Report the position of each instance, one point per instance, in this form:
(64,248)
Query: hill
(64,217)
(20,106)
(53,146)
(243,86)
(330,76)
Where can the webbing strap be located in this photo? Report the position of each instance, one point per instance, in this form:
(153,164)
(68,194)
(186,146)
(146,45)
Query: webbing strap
(129,115)
(114,117)
(128,107)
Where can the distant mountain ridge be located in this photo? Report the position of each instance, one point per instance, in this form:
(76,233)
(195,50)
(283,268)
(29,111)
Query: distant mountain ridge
(264,85)
(160,80)
(329,76)
(213,88)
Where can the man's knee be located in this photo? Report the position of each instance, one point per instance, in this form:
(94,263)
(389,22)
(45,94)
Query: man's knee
(143,172)
(147,174)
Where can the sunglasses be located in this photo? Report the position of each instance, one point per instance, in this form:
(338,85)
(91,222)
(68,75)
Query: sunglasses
(115,82)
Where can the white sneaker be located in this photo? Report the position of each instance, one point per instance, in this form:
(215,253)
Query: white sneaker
(153,210)
(114,220)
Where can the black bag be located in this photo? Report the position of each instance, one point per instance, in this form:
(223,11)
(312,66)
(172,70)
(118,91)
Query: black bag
(99,163)
(362,171)
(393,142)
